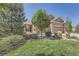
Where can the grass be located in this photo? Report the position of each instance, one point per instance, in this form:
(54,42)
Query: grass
(47,47)
(7,42)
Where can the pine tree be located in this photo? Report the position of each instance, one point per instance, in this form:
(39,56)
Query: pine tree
(17,18)
(11,19)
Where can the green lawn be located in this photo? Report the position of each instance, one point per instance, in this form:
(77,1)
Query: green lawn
(47,47)
(7,42)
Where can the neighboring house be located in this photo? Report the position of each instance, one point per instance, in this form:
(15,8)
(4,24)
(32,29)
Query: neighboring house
(57,24)
(29,27)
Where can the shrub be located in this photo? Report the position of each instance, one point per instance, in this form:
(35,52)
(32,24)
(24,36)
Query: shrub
(58,35)
(67,35)
(48,34)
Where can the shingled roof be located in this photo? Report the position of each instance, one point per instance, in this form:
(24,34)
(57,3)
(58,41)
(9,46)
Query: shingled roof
(58,19)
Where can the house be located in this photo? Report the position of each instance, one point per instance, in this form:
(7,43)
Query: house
(57,24)
(29,27)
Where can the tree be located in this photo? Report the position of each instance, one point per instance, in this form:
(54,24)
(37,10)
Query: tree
(4,6)
(41,20)
(68,26)
(17,18)
(3,23)
(11,19)
(77,28)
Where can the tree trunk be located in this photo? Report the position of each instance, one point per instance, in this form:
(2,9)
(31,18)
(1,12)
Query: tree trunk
(41,33)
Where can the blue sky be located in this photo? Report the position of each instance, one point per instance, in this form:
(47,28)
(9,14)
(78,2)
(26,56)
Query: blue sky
(62,10)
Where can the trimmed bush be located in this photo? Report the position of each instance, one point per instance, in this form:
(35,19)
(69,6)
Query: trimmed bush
(58,35)
(48,34)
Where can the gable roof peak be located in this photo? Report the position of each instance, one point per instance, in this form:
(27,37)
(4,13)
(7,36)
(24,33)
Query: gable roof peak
(59,19)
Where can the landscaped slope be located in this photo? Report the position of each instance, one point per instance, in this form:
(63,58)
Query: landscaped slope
(47,47)
(7,43)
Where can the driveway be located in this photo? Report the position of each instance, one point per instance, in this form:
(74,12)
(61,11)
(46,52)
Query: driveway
(75,35)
